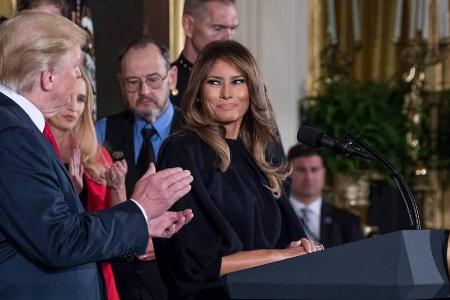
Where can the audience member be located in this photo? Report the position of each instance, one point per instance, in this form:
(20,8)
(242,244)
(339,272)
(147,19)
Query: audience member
(48,243)
(321,221)
(146,79)
(204,21)
(241,220)
(99,182)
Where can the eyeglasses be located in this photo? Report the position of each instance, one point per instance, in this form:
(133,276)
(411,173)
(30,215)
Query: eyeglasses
(153,81)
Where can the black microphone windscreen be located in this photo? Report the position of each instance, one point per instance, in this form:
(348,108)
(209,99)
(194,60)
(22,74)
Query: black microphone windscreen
(310,136)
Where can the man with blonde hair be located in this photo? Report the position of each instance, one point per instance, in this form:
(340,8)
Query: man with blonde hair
(48,243)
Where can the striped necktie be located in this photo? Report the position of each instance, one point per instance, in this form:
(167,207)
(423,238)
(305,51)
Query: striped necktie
(306,220)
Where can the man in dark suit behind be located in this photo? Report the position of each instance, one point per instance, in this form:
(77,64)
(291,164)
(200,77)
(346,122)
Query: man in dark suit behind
(146,79)
(49,245)
(322,221)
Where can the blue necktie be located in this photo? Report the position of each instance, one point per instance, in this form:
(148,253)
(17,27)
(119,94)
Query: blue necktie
(307,224)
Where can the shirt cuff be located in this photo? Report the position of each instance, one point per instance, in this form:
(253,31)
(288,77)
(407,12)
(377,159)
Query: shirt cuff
(142,209)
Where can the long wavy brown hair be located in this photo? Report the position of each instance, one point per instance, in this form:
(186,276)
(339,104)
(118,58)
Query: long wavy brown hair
(258,130)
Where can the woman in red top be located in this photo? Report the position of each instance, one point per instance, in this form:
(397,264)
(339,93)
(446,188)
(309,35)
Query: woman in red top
(99,182)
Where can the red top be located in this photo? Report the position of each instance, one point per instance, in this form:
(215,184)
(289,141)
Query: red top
(48,134)
(99,198)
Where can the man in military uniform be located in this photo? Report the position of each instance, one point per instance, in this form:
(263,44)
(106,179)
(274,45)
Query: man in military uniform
(204,21)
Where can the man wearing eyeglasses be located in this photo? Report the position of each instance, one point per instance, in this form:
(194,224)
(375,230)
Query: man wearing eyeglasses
(146,79)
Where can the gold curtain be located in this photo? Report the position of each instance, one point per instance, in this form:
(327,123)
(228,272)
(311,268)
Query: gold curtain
(376,59)
(7,7)
(176,34)
(380,59)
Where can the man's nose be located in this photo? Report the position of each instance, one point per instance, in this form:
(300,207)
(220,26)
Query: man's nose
(143,88)
(228,34)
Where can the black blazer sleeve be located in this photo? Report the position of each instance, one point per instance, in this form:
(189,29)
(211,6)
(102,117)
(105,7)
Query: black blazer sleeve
(191,259)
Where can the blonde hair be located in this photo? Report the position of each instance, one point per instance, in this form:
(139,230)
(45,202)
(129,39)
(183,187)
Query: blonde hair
(92,157)
(33,42)
(258,130)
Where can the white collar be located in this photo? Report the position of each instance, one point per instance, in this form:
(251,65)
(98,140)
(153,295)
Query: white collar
(314,206)
(30,109)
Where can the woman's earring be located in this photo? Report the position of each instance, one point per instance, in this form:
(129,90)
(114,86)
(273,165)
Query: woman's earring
(174,92)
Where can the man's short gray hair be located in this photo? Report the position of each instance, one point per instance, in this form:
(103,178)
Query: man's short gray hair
(34,42)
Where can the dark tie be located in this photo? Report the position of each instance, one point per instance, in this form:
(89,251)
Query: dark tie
(147,154)
(48,134)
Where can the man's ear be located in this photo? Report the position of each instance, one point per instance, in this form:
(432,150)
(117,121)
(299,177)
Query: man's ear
(173,77)
(188,25)
(47,80)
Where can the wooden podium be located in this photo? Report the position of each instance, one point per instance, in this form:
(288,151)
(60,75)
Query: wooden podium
(401,265)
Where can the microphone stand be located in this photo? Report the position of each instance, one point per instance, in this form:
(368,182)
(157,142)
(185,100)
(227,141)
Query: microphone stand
(400,182)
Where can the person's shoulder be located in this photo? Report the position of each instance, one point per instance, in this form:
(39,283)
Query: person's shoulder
(184,138)
(343,214)
(188,144)
(10,118)
(121,116)
(185,149)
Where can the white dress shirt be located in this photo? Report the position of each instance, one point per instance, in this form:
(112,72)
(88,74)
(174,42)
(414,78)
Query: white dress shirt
(29,108)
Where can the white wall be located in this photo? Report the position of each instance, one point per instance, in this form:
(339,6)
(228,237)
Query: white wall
(276,32)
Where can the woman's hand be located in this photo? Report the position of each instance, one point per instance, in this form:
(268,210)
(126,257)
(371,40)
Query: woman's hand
(76,169)
(252,258)
(307,245)
(115,180)
(149,252)
(299,247)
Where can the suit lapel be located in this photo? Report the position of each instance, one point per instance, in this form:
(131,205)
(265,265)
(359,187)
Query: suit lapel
(326,223)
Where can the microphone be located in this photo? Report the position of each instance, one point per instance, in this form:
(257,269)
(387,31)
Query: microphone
(316,138)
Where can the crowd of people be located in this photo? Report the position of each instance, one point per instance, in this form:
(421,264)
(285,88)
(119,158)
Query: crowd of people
(160,201)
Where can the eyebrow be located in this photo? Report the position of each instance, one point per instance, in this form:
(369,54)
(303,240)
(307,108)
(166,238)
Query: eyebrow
(221,77)
(147,75)
(224,26)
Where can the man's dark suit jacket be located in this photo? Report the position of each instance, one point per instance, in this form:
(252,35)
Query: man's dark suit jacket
(134,280)
(48,244)
(338,226)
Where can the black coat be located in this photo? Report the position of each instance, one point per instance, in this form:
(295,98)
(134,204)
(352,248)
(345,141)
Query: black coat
(233,211)
(338,226)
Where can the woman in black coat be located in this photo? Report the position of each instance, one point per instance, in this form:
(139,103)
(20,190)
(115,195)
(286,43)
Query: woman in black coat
(241,218)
